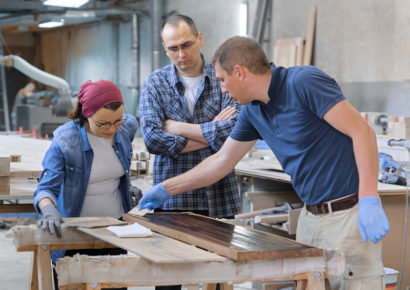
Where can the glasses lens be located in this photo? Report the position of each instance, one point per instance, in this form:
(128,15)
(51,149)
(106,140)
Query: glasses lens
(118,123)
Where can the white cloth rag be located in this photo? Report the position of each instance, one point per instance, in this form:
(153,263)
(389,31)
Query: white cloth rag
(131,231)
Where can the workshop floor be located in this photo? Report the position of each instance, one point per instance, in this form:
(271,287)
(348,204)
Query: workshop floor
(15,266)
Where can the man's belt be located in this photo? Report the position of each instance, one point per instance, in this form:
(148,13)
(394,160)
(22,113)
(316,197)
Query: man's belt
(334,205)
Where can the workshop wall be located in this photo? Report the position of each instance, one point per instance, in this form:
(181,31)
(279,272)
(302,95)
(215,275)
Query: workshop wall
(217,20)
(363,44)
(102,50)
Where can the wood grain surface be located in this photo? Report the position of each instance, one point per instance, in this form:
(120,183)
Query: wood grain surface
(232,241)
(157,248)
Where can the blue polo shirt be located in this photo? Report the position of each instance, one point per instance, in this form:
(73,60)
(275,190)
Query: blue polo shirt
(319,159)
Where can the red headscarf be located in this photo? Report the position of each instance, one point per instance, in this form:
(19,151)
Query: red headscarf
(94,96)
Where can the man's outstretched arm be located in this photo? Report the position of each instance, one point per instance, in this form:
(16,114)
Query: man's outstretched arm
(205,173)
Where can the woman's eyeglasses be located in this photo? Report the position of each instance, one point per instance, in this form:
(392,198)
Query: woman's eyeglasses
(107,125)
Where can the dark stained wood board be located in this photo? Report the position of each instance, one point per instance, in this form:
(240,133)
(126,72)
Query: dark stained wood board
(235,242)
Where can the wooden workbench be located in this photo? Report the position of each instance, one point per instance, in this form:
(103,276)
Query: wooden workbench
(23,174)
(159,260)
(256,176)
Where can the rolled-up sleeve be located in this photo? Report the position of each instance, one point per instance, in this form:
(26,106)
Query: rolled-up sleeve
(52,176)
(152,118)
(216,132)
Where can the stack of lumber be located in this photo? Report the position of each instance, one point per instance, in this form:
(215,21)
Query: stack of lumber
(140,164)
(289,52)
(399,127)
(5,174)
(20,158)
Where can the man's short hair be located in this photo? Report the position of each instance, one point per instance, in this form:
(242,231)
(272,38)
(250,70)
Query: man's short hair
(176,19)
(243,51)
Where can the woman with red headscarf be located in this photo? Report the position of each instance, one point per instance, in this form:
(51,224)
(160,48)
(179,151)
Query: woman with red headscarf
(86,168)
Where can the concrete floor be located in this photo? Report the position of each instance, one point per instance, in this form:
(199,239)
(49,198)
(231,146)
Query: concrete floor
(15,266)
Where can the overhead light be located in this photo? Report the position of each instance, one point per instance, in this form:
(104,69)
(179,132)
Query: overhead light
(243,18)
(51,24)
(66,3)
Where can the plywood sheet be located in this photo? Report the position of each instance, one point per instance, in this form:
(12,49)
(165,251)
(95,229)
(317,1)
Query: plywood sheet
(232,241)
(157,248)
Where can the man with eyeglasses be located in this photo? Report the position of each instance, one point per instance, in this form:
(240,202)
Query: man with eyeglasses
(185,118)
(321,141)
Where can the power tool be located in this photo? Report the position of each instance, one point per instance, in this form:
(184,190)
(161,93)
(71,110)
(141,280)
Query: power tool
(390,171)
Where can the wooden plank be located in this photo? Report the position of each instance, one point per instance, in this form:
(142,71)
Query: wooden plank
(4,165)
(26,238)
(235,242)
(93,222)
(310,36)
(5,185)
(34,272)
(24,174)
(193,287)
(15,158)
(20,189)
(157,249)
(288,52)
(14,208)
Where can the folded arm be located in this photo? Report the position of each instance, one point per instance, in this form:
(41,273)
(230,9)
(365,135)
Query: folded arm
(152,117)
(193,131)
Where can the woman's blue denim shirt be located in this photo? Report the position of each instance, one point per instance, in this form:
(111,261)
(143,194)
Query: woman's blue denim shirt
(67,166)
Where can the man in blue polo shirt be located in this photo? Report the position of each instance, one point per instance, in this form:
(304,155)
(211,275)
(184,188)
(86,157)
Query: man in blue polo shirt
(321,141)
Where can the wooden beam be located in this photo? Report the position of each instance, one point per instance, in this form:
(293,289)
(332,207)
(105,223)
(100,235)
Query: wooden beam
(310,37)
(4,165)
(16,208)
(34,272)
(45,277)
(15,158)
(137,271)
(4,185)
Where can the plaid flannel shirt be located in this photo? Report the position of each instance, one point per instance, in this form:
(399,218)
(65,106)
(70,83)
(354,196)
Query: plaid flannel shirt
(163,98)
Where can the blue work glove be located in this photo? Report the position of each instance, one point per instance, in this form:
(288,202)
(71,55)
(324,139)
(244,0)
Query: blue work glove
(50,220)
(373,223)
(154,197)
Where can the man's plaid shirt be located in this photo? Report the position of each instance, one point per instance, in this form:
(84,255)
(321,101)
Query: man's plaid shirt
(163,98)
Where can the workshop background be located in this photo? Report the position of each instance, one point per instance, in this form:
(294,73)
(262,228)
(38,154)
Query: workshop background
(364,45)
